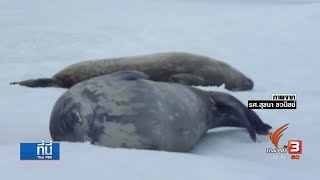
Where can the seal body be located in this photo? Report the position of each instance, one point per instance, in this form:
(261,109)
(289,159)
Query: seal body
(126,110)
(178,67)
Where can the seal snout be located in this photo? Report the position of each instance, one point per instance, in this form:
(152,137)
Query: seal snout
(248,84)
(65,119)
(241,85)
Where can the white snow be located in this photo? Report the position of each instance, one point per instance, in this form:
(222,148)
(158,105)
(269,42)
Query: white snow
(275,42)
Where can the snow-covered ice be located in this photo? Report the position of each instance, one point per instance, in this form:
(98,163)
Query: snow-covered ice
(275,42)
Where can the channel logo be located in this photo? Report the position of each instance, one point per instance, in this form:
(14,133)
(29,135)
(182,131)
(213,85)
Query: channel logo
(275,137)
(294,147)
(40,151)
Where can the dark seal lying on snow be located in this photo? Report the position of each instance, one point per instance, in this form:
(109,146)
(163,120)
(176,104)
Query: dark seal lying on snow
(124,109)
(183,68)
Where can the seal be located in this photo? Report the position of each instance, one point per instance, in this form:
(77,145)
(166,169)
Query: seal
(178,67)
(125,109)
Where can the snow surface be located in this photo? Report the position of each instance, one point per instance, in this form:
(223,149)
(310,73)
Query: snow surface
(275,42)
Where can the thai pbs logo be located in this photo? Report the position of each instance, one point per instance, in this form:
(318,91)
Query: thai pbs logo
(40,151)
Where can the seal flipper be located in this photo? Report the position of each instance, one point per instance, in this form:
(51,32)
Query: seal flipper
(130,75)
(259,126)
(43,82)
(231,112)
(186,79)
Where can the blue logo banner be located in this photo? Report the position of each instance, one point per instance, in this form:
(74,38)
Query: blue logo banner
(40,151)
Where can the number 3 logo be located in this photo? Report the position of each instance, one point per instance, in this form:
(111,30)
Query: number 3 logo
(295,147)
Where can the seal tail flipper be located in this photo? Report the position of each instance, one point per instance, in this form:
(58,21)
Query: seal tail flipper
(43,82)
(231,112)
(259,126)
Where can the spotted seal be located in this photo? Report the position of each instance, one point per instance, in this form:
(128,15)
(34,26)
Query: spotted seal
(178,67)
(125,109)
